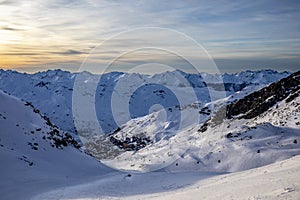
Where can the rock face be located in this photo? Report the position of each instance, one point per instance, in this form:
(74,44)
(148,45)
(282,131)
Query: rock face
(260,101)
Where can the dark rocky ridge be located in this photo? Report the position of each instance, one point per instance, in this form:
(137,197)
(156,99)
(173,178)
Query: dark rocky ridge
(260,101)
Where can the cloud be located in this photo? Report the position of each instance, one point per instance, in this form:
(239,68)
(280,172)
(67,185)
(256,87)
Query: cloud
(10,29)
(69,52)
(6,2)
(228,29)
(20,54)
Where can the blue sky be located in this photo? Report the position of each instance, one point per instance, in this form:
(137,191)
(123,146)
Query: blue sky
(238,35)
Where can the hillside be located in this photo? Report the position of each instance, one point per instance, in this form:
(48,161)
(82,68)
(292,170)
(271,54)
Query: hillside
(277,181)
(233,144)
(35,155)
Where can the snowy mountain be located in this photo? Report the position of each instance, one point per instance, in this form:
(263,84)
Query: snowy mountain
(258,129)
(183,145)
(260,101)
(35,155)
(51,92)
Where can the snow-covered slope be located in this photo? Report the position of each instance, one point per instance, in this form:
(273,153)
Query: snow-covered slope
(216,143)
(277,181)
(35,155)
(50,92)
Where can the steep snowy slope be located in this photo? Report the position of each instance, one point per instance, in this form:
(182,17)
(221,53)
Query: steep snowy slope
(35,155)
(50,92)
(260,101)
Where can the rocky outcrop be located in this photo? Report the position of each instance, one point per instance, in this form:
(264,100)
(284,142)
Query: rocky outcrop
(260,101)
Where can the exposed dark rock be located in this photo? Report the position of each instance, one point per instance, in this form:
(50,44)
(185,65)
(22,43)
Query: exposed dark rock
(229,135)
(203,128)
(42,84)
(131,144)
(205,111)
(260,101)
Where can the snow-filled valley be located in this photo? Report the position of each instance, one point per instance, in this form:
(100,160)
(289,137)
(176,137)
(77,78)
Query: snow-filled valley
(168,136)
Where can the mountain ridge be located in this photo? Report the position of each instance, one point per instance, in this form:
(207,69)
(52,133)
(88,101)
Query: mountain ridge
(51,91)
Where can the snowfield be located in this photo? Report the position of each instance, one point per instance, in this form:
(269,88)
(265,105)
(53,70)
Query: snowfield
(276,181)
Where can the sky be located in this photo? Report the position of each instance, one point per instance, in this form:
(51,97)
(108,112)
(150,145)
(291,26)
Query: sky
(236,35)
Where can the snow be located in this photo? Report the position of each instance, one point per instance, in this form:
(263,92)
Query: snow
(276,181)
(229,147)
(26,171)
(52,92)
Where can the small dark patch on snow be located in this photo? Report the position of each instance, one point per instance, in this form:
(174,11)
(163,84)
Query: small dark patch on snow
(203,128)
(229,135)
(295,141)
(33,146)
(24,158)
(205,111)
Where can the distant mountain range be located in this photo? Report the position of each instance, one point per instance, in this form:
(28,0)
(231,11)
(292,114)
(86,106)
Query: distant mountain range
(51,91)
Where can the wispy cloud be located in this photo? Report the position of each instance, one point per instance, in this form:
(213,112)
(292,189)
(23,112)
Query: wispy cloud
(70,52)
(10,28)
